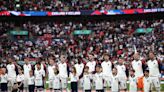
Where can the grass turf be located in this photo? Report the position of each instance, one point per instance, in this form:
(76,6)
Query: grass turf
(69,86)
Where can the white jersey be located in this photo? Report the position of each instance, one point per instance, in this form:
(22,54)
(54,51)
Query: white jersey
(3,78)
(11,71)
(91,66)
(27,68)
(56,82)
(87,81)
(79,68)
(98,78)
(50,72)
(63,70)
(147,84)
(153,68)
(121,71)
(74,78)
(137,66)
(114,83)
(106,68)
(132,84)
(39,74)
(31,80)
(20,78)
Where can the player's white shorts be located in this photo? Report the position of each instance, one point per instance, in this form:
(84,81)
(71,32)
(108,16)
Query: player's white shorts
(123,84)
(63,83)
(80,83)
(107,81)
(11,81)
(26,82)
(155,81)
(50,83)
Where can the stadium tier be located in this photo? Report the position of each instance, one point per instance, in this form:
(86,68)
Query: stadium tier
(118,38)
(77,5)
(82,12)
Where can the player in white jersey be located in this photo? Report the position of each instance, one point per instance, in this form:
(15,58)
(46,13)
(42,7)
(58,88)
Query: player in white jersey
(87,77)
(106,70)
(63,73)
(31,82)
(121,72)
(147,81)
(39,78)
(132,82)
(79,68)
(20,80)
(50,69)
(98,79)
(137,66)
(11,72)
(56,81)
(3,80)
(114,81)
(91,64)
(154,73)
(27,68)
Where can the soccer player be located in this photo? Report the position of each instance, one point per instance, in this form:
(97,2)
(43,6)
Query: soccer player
(147,81)
(91,64)
(98,79)
(63,73)
(11,72)
(39,78)
(137,65)
(3,80)
(56,80)
(132,82)
(50,68)
(79,68)
(27,67)
(31,82)
(154,73)
(86,80)
(74,80)
(121,71)
(106,70)
(114,81)
(20,80)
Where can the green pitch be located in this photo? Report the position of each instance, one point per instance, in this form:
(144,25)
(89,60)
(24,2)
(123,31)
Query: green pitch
(69,86)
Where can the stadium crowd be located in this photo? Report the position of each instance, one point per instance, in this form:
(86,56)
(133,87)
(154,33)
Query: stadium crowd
(77,5)
(117,39)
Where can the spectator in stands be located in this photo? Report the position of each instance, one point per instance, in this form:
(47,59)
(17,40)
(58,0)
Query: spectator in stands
(77,5)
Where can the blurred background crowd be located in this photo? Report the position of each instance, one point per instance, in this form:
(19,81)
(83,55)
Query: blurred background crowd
(51,39)
(77,5)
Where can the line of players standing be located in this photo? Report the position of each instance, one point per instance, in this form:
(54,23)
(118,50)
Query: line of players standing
(142,75)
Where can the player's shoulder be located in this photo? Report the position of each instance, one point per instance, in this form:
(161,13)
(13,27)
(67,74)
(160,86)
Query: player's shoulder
(103,63)
(59,63)
(149,60)
(133,61)
(88,63)
(76,65)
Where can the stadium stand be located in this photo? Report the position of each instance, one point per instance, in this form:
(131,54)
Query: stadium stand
(77,5)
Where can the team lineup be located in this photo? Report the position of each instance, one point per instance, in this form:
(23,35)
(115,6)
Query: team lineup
(100,76)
